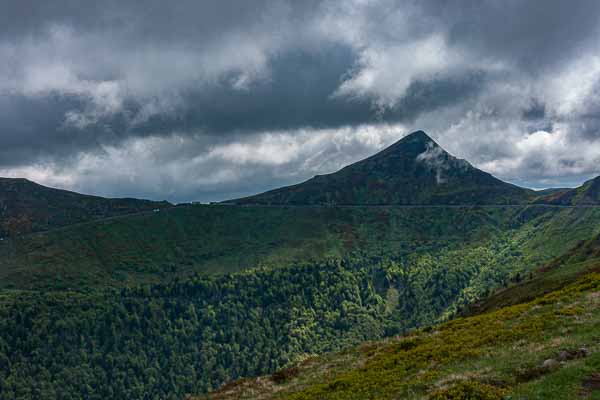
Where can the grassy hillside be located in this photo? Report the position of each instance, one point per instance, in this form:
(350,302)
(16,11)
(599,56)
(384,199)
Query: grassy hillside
(217,239)
(28,207)
(180,241)
(547,347)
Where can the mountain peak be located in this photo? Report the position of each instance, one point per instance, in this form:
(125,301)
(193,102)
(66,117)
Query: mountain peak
(417,136)
(413,171)
(411,145)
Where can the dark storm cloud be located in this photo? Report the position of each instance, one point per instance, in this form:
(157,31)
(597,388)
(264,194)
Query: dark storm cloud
(299,95)
(513,86)
(34,129)
(31,129)
(153,20)
(171,59)
(531,34)
(535,111)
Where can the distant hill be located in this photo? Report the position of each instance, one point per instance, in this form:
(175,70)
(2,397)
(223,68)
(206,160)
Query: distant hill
(586,194)
(413,171)
(28,207)
(551,191)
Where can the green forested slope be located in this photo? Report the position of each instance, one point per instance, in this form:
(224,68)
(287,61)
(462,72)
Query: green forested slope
(546,345)
(186,336)
(168,340)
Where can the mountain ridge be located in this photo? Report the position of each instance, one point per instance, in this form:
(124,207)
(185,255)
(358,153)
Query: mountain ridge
(586,194)
(413,171)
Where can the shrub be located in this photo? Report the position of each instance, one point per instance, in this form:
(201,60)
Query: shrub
(285,374)
(469,390)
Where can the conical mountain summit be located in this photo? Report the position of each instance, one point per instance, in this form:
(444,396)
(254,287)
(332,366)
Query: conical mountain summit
(413,171)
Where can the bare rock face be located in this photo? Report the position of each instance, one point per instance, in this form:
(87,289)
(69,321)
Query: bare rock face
(568,355)
(550,364)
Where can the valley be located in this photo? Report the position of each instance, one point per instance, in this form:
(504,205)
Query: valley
(178,301)
(299,200)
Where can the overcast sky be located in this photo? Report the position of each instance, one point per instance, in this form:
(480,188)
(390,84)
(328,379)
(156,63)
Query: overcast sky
(207,100)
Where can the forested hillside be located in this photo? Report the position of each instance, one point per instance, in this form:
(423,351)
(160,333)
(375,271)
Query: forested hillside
(168,340)
(194,334)
(538,339)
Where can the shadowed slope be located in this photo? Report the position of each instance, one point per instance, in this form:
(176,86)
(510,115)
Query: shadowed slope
(28,207)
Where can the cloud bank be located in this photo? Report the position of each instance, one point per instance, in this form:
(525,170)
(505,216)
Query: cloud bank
(211,100)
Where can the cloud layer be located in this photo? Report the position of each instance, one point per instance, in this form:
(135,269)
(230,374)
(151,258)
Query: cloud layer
(210,100)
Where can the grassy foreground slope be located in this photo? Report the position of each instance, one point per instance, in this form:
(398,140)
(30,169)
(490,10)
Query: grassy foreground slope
(547,347)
